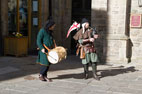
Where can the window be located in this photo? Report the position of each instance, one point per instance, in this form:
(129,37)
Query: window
(14,19)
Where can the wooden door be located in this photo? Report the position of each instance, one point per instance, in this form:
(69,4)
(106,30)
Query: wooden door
(35,22)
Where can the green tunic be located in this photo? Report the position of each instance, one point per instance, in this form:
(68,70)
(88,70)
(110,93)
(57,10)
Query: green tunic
(43,37)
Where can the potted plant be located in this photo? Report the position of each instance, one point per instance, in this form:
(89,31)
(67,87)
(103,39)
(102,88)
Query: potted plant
(16,45)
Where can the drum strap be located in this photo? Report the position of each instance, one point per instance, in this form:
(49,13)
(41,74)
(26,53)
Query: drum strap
(54,43)
(46,47)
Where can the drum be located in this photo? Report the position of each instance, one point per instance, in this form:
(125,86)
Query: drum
(56,55)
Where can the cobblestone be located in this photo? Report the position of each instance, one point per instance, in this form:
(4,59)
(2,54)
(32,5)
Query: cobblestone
(68,78)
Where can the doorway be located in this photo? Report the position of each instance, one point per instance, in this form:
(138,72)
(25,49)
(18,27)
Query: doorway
(80,9)
(0,33)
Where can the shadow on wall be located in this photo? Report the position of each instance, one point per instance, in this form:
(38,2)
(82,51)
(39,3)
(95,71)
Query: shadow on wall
(129,42)
(129,50)
(100,21)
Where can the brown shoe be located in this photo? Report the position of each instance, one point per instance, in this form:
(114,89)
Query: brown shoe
(48,79)
(42,78)
(96,77)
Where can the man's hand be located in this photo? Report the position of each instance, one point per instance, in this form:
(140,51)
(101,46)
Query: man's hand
(43,50)
(95,36)
(91,39)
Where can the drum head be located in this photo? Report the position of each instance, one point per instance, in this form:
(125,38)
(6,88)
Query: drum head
(53,57)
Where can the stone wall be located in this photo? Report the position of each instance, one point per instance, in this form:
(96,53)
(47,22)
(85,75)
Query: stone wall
(99,20)
(136,34)
(116,35)
(109,16)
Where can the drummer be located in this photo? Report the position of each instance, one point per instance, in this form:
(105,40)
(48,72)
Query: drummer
(45,37)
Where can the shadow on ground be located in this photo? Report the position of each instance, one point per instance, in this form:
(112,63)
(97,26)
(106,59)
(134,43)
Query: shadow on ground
(26,66)
(23,66)
(103,73)
(116,71)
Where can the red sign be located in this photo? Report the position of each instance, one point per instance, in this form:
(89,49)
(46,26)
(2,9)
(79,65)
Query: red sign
(136,20)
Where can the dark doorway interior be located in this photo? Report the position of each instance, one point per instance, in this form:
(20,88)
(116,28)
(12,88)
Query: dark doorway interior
(80,9)
(50,8)
(0,32)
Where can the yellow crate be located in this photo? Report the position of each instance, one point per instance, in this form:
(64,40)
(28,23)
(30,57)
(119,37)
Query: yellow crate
(16,46)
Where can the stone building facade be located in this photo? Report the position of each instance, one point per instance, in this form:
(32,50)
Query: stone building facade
(117,43)
(110,17)
(136,33)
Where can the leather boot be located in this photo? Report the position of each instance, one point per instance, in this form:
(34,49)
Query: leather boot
(41,77)
(94,70)
(48,79)
(85,71)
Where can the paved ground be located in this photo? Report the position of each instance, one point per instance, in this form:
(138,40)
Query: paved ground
(20,76)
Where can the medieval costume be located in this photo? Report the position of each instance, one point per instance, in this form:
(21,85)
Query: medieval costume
(45,37)
(85,38)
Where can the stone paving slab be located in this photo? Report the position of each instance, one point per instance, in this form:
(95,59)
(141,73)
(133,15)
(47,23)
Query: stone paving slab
(68,78)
